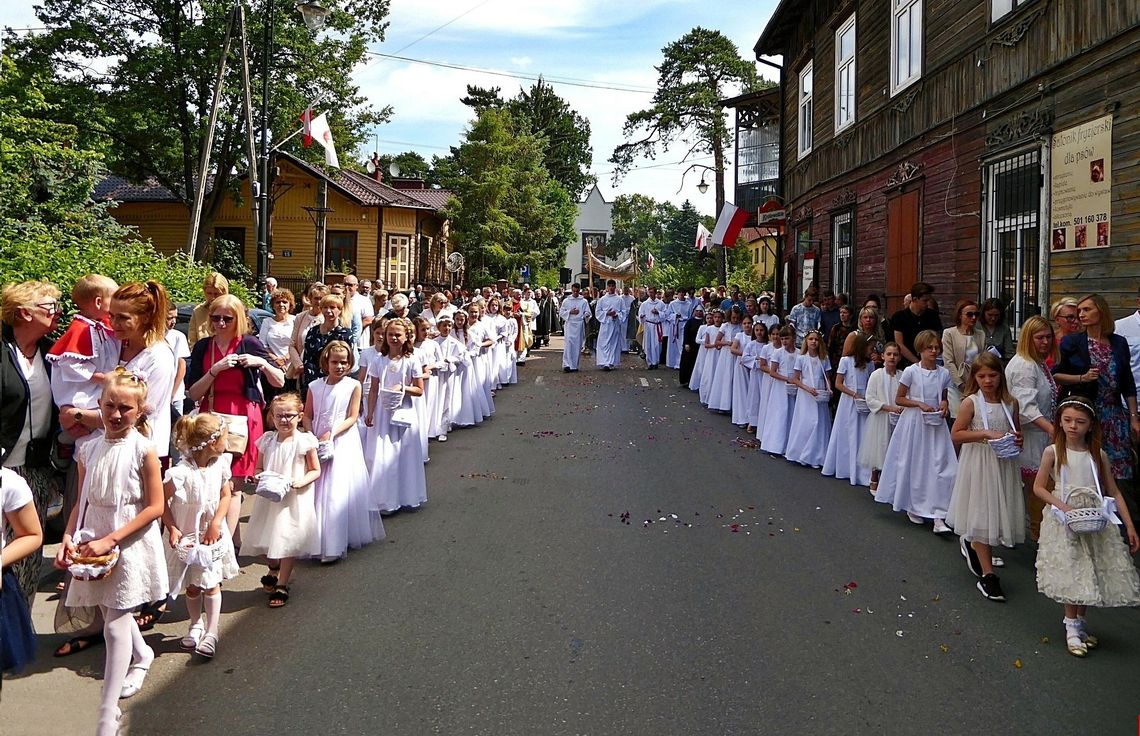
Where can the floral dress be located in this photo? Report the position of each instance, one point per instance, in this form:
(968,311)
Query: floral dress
(315,342)
(1113,416)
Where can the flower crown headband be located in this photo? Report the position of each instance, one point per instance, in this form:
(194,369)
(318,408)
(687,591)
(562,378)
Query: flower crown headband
(209,440)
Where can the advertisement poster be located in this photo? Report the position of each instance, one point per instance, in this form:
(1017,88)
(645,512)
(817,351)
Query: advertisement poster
(1081,186)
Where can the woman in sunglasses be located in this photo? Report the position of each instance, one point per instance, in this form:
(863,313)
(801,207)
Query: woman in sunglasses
(960,345)
(224,376)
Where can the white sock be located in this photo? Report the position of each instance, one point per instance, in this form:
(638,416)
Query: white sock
(213,612)
(1072,627)
(194,607)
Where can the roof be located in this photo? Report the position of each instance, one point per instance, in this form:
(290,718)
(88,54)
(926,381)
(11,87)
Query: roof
(119,189)
(772,38)
(749,98)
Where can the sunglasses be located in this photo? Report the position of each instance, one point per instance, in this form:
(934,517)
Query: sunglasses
(221,319)
(969,314)
(1070,317)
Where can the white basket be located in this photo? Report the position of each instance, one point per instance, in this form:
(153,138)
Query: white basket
(273,486)
(893,418)
(190,552)
(933,418)
(861,406)
(325,451)
(1006,447)
(822,397)
(392,400)
(791,388)
(1085,519)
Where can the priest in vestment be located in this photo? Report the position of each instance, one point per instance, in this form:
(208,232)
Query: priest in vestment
(652,315)
(575,314)
(611,313)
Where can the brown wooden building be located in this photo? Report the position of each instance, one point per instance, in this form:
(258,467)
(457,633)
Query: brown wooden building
(396,234)
(988,147)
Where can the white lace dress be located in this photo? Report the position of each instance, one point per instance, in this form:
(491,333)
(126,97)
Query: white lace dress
(286,528)
(112,487)
(197,492)
(1084,569)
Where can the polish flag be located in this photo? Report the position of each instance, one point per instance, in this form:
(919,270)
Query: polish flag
(703,236)
(307,120)
(649,261)
(319,127)
(728,225)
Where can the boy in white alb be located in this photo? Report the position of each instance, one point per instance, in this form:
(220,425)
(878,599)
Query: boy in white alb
(611,311)
(575,314)
(652,314)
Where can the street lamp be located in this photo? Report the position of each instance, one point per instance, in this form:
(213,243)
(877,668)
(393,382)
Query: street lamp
(314,15)
(704,185)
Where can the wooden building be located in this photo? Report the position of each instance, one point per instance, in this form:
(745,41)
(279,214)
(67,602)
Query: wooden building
(395,234)
(988,147)
(757,171)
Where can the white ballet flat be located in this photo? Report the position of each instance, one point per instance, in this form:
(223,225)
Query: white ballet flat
(137,673)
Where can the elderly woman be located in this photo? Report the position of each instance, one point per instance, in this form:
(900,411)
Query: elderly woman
(213,287)
(1065,322)
(399,306)
(996,332)
(1033,386)
(29,418)
(277,335)
(310,316)
(961,344)
(870,327)
(1096,364)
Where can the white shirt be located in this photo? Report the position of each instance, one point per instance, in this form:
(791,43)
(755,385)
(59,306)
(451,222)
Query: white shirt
(156,366)
(38,416)
(1129,328)
(181,349)
(362,308)
(14,495)
(277,336)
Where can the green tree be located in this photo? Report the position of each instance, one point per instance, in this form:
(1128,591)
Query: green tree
(50,229)
(506,211)
(698,71)
(639,220)
(136,79)
(411,166)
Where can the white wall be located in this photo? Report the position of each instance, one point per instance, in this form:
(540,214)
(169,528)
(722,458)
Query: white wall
(595,215)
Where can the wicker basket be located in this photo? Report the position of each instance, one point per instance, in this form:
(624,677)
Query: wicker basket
(191,552)
(1087,515)
(91,568)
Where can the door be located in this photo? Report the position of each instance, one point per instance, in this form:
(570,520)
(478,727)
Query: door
(902,247)
(399,261)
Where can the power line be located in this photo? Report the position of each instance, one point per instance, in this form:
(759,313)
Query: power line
(568,81)
(440,28)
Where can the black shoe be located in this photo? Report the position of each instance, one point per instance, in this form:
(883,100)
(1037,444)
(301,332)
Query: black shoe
(990,587)
(565,370)
(971,556)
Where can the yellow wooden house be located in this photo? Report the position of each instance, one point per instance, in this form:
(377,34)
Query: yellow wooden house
(397,235)
(761,250)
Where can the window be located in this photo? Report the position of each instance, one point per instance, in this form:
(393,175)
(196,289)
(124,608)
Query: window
(842,252)
(1012,252)
(845,75)
(906,43)
(399,257)
(1002,8)
(805,111)
(340,250)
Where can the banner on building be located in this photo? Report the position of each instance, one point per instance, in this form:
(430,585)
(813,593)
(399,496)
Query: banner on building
(1081,186)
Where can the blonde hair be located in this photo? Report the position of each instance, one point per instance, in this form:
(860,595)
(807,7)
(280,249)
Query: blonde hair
(336,345)
(821,351)
(925,339)
(342,304)
(150,303)
(1032,326)
(123,380)
(198,435)
(409,336)
(988,360)
(232,303)
(25,294)
(398,302)
(1060,304)
(292,398)
(92,285)
(217,281)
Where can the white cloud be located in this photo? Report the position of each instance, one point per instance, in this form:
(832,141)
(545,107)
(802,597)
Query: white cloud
(521,62)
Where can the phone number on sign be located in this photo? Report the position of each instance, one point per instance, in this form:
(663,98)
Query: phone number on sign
(1089,219)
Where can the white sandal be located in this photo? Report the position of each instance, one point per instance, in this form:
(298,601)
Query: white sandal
(136,674)
(207,647)
(194,636)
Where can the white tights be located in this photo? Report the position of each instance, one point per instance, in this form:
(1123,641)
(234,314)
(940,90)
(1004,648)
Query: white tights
(124,644)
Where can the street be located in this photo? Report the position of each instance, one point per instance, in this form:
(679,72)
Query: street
(605,556)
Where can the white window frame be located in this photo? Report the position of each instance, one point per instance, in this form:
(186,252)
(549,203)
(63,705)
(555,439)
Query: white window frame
(1001,8)
(994,228)
(845,68)
(842,258)
(805,103)
(911,10)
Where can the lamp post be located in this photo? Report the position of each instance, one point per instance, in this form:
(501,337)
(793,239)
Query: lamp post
(314,15)
(722,258)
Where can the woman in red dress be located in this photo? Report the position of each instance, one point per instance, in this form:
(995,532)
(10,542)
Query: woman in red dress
(224,376)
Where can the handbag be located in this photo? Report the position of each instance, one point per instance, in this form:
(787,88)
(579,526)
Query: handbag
(237,438)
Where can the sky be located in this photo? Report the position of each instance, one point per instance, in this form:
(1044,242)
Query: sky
(593,42)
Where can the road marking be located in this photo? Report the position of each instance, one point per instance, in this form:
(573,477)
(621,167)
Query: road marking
(538,380)
(644,381)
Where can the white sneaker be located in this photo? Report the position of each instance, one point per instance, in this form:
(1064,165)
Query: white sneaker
(442,438)
(915,519)
(940,527)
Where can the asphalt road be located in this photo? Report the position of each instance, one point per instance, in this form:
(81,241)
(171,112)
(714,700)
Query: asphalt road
(744,596)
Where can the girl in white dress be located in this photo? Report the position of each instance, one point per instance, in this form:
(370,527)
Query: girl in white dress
(1091,569)
(699,367)
(397,466)
(120,502)
(720,394)
(451,355)
(427,406)
(987,507)
(757,365)
(919,469)
(742,372)
(471,408)
(777,419)
(481,337)
(347,514)
(764,363)
(198,492)
(509,373)
(811,418)
(712,354)
(287,529)
(882,388)
(497,329)
(367,356)
(851,378)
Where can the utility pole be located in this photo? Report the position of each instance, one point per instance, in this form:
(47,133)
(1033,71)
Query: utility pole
(263,159)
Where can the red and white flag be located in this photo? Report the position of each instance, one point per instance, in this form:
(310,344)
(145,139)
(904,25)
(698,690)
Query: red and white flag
(703,237)
(649,261)
(728,225)
(319,129)
(307,120)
